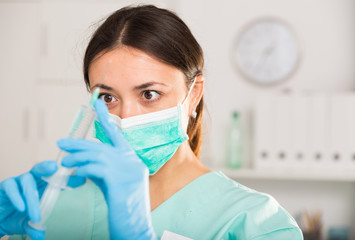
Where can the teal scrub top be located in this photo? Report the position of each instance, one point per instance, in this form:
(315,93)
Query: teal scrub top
(212,206)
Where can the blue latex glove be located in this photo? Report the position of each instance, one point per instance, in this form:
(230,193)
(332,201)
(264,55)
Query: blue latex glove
(119,173)
(19,200)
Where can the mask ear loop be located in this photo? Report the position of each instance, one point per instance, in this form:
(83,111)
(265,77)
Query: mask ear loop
(193,114)
(190,90)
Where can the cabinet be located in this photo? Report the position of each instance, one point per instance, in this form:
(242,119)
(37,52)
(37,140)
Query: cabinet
(66,28)
(41,84)
(56,109)
(34,113)
(19,38)
(42,46)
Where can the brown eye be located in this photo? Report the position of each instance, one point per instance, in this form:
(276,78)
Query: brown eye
(107,98)
(150,95)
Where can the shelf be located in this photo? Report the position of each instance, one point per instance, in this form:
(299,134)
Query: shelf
(296,175)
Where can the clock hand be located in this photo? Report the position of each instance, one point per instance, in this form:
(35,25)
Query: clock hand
(266,53)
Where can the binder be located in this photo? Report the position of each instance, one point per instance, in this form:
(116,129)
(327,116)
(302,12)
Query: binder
(282,123)
(264,130)
(299,131)
(319,134)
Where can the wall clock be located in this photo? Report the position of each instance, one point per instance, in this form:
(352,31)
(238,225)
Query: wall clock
(267,51)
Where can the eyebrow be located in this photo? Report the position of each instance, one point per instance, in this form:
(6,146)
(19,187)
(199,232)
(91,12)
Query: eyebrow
(147,85)
(139,87)
(103,86)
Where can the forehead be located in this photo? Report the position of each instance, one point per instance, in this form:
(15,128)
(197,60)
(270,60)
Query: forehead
(129,66)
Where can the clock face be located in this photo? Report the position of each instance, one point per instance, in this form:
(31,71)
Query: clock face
(267,51)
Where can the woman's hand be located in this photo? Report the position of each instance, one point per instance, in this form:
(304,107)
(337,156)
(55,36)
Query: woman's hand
(119,173)
(19,200)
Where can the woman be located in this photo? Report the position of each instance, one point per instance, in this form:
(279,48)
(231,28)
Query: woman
(146,177)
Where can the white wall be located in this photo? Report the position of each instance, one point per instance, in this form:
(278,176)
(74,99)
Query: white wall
(326,33)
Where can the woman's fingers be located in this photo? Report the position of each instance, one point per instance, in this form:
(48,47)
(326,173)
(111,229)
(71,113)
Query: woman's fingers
(89,164)
(80,158)
(34,233)
(109,127)
(12,191)
(72,145)
(44,169)
(76,181)
(93,171)
(30,195)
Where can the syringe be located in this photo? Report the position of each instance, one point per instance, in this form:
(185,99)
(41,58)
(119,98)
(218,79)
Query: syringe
(58,181)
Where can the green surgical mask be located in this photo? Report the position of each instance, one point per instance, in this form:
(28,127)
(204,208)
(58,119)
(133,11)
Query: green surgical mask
(155,137)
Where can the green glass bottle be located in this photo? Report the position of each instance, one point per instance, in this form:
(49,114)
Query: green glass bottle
(234,144)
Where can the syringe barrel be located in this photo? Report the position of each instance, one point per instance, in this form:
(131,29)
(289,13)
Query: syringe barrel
(83,120)
(58,181)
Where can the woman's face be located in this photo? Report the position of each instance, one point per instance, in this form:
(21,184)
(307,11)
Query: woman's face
(134,83)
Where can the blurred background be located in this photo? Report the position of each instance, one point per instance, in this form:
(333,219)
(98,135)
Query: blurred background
(280,81)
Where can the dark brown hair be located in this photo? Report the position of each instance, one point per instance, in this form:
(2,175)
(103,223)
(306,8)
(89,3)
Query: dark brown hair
(159,33)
